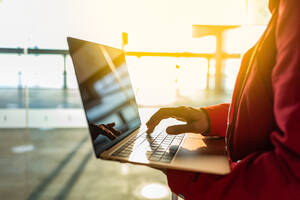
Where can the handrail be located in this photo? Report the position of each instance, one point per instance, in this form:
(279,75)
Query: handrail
(37,51)
(34,51)
(64,53)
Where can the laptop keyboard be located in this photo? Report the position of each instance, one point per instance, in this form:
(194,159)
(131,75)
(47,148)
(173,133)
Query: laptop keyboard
(159,146)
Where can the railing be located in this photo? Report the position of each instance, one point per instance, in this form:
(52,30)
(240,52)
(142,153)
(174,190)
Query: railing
(65,53)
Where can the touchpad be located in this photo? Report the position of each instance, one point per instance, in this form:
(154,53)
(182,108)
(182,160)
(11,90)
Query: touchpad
(204,146)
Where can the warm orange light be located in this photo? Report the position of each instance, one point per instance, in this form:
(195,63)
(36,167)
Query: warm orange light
(166,26)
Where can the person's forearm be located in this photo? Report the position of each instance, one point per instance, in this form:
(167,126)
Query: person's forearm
(217,116)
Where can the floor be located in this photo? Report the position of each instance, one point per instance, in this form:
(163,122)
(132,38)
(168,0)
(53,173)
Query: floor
(60,164)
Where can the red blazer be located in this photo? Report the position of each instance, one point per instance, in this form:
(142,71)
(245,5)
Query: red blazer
(262,125)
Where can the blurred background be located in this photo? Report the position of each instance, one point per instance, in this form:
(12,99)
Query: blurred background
(178,53)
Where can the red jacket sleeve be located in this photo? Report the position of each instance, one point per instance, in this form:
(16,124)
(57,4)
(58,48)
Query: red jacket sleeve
(273,174)
(217,115)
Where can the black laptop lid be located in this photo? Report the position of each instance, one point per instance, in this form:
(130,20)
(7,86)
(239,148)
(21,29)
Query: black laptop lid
(106,92)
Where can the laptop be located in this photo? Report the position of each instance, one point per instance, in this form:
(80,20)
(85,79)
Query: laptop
(114,123)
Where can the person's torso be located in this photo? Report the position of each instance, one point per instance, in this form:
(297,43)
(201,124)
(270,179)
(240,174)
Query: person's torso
(251,118)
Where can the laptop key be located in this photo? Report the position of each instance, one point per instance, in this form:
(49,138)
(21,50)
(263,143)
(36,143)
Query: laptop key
(154,158)
(166,159)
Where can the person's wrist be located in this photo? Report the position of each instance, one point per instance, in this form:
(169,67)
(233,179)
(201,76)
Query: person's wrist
(206,122)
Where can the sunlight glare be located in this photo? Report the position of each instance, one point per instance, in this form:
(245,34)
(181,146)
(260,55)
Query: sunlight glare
(124,169)
(154,191)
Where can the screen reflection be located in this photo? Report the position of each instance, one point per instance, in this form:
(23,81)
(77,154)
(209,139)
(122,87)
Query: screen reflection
(106,92)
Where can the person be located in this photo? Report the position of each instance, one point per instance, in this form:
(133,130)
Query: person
(261,125)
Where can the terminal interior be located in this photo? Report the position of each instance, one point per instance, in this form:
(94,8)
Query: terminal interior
(185,56)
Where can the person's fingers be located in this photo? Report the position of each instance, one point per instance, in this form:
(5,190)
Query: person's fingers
(161,114)
(115,131)
(155,117)
(107,132)
(185,128)
(110,125)
(178,129)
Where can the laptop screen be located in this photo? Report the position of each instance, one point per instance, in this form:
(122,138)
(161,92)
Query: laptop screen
(106,92)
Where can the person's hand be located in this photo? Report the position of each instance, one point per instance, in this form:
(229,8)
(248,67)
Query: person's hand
(196,120)
(107,130)
(111,128)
